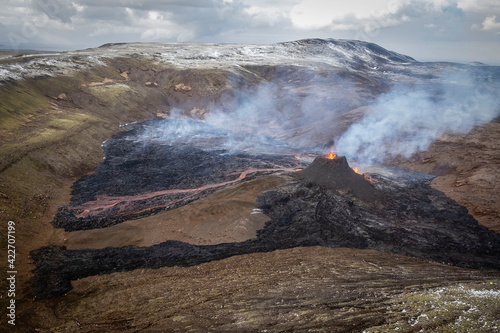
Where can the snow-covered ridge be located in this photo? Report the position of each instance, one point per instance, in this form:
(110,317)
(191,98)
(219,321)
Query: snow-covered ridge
(314,53)
(348,49)
(29,66)
(305,52)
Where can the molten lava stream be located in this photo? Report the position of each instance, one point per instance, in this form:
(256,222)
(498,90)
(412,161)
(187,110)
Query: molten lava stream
(362,174)
(104,203)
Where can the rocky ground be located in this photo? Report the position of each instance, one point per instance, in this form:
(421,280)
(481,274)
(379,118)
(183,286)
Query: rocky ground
(468,170)
(58,110)
(299,290)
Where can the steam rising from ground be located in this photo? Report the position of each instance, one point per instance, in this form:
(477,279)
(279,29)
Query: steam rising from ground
(259,122)
(178,131)
(250,127)
(401,122)
(409,119)
(256,112)
(274,109)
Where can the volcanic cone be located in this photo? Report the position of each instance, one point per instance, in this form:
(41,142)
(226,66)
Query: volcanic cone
(337,174)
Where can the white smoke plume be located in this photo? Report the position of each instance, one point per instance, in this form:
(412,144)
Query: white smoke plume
(409,119)
(257,113)
(262,119)
(279,110)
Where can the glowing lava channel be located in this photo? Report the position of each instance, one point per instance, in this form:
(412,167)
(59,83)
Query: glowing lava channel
(104,203)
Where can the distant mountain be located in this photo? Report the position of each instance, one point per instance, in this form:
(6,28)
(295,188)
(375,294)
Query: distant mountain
(349,55)
(349,49)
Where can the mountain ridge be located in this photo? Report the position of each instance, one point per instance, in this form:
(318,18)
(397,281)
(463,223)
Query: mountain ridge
(353,55)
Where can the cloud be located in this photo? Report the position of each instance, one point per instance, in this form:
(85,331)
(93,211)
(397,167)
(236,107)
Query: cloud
(490,23)
(165,33)
(360,14)
(86,23)
(317,14)
(479,9)
(479,5)
(267,15)
(148,4)
(60,10)
(106,14)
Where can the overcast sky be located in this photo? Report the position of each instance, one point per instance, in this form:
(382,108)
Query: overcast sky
(450,30)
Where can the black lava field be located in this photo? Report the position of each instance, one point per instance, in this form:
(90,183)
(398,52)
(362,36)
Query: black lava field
(324,203)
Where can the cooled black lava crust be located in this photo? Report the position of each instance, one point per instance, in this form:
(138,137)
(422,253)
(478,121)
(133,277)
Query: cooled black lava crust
(143,160)
(407,217)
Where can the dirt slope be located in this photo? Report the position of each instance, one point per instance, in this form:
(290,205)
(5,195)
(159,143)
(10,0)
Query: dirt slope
(468,170)
(299,290)
(51,132)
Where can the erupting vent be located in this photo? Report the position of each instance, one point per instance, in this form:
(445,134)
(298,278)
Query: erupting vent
(336,173)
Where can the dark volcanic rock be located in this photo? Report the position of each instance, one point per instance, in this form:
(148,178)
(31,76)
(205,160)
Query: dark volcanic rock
(411,219)
(328,204)
(415,220)
(337,174)
(161,165)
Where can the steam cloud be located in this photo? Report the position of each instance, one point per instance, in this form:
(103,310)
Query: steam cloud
(401,122)
(261,119)
(409,119)
(180,130)
(256,113)
(252,126)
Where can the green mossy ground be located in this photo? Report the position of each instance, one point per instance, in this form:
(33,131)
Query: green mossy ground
(47,142)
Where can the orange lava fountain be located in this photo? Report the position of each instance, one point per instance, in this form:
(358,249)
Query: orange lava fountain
(331,155)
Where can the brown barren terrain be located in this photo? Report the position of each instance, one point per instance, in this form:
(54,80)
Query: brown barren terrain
(51,134)
(468,171)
